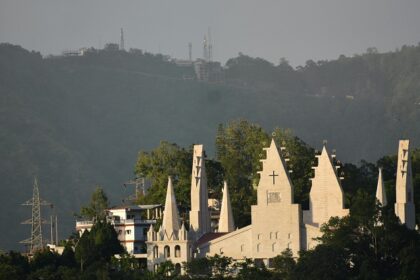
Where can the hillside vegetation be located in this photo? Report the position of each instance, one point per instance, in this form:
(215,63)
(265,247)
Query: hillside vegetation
(76,122)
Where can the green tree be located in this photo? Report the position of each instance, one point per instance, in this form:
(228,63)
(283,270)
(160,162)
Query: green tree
(13,264)
(284,264)
(248,270)
(200,267)
(98,245)
(95,210)
(171,160)
(68,258)
(8,271)
(166,269)
(323,262)
(370,243)
(84,251)
(221,266)
(45,258)
(239,146)
(166,160)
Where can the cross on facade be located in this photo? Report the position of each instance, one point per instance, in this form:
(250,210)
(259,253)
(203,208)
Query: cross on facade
(274,177)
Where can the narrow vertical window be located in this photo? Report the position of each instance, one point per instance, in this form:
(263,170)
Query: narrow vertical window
(177,251)
(167,251)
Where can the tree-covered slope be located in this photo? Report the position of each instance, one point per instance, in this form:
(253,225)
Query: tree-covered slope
(80,121)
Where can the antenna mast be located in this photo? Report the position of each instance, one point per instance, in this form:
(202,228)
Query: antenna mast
(35,241)
(205,49)
(122,48)
(190,51)
(210,46)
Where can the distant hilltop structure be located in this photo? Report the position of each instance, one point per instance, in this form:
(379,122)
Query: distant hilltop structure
(205,68)
(79,52)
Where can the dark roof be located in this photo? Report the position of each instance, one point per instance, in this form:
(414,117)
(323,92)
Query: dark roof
(208,237)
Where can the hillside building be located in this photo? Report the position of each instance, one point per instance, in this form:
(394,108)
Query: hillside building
(131,222)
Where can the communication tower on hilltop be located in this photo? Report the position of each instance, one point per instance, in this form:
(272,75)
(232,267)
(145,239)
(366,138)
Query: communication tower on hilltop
(122,40)
(190,51)
(210,46)
(205,49)
(35,242)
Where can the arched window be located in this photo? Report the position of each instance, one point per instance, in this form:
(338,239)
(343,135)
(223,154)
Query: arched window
(155,252)
(242,247)
(259,236)
(177,251)
(167,251)
(177,268)
(221,251)
(273,247)
(258,247)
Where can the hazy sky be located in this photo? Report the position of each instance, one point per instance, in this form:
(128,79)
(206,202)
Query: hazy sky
(295,29)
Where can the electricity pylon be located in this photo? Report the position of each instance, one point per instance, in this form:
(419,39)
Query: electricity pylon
(139,183)
(35,242)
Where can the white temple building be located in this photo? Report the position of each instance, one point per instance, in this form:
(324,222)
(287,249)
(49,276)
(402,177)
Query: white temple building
(277,222)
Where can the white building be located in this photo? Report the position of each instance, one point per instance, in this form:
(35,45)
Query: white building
(131,224)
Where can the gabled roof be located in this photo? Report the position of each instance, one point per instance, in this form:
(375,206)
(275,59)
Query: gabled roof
(208,237)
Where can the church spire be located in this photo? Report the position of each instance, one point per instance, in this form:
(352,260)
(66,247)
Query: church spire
(326,198)
(404,206)
(170,222)
(199,214)
(380,190)
(274,178)
(226,223)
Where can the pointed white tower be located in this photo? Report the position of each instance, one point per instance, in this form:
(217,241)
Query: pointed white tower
(380,190)
(274,176)
(226,223)
(151,234)
(276,220)
(199,214)
(404,206)
(183,233)
(170,221)
(326,198)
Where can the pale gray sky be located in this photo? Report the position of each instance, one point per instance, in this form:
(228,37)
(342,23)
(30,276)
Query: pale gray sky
(296,29)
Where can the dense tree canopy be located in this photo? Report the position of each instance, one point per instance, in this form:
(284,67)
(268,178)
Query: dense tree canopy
(95,210)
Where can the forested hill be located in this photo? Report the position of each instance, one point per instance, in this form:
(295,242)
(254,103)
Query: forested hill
(80,121)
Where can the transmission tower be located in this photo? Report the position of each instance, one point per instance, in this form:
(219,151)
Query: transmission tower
(140,188)
(35,242)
